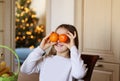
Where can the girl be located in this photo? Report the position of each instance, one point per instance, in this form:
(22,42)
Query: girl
(63,64)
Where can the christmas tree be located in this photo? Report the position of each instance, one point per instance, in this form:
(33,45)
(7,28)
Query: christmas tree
(28,31)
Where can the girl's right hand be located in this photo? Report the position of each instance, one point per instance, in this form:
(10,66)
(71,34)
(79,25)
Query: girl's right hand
(45,43)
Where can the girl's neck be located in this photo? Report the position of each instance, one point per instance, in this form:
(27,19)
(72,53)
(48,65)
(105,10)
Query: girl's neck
(64,54)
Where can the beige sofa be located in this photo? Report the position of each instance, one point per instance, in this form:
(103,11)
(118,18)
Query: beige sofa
(25,77)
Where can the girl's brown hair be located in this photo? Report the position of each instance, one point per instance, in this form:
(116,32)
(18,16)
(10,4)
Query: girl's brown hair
(71,29)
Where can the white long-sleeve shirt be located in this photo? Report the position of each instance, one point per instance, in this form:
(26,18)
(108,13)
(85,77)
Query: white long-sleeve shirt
(55,68)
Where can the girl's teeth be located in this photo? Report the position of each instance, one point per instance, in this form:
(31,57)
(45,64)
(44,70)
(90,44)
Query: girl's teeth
(59,45)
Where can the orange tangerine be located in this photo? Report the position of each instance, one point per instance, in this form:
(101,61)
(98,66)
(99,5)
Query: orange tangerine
(63,38)
(54,37)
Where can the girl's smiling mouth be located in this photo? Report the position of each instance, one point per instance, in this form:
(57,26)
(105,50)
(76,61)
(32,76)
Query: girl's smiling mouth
(59,44)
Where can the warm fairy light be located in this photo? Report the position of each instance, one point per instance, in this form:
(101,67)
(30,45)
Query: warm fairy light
(18,5)
(28,33)
(22,13)
(38,28)
(26,10)
(42,30)
(24,37)
(31,47)
(18,15)
(23,21)
(26,19)
(23,28)
(31,24)
(28,1)
(31,36)
(33,16)
(27,24)
(17,38)
(19,33)
(21,7)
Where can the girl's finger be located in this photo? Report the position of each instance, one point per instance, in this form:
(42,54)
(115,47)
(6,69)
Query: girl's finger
(69,34)
(53,43)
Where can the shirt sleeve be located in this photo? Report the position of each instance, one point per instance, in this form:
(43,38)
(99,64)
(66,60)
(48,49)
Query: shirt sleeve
(31,65)
(78,67)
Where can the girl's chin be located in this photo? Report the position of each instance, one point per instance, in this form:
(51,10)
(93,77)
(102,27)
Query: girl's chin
(60,48)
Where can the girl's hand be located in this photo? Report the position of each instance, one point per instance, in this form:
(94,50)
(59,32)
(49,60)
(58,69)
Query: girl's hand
(72,38)
(45,43)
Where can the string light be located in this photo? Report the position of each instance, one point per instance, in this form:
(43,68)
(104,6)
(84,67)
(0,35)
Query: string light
(31,47)
(21,7)
(27,24)
(28,1)
(31,24)
(33,16)
(26,10)
(31,36)
(28,31)
(23,21)
(24,37)
(26,19)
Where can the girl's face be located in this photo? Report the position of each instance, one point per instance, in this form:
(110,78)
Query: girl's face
(60,48)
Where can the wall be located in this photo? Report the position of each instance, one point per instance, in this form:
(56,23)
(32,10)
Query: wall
(59,12)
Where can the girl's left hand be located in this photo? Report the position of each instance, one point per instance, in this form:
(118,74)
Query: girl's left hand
(71,38)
